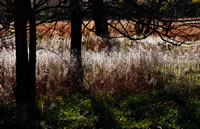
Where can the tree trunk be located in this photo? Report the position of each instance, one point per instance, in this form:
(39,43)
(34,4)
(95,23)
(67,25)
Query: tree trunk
(32,54)
(100,18)
(21,52)
(76,70)
(24,90)
(101,23)
(32,67)
(21,89)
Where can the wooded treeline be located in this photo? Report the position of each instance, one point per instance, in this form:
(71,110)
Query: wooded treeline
(150,17)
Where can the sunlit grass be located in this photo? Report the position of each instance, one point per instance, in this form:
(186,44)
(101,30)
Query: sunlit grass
(130,66)
(150,110)
(135,85)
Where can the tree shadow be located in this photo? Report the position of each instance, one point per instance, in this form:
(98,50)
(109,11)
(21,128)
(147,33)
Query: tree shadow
(7,116)
(166,110)
(155,109)
(190,110)
(106,118)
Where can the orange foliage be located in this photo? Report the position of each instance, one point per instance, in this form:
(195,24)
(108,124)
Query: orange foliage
(63,28)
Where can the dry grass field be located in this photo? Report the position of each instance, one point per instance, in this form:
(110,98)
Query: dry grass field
(124,68)
(188,31)
(137,84)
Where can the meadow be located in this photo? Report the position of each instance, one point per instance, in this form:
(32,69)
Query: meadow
(136,84)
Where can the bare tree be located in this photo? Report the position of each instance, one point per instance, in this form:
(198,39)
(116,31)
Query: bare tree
(100,18)
(21,94)
(27,115)
(76,70)
(134,19)
(137,20)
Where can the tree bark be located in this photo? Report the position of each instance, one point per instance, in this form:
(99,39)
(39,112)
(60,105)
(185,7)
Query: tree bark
(21,52)
(21,88)
(31,68)
(100,18)
(25,70)
(76,70)
(32,54)
(101,23)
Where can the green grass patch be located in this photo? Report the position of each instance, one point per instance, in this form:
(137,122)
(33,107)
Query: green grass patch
(150,110)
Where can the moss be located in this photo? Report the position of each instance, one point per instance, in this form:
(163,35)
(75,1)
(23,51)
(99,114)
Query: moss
(152,109)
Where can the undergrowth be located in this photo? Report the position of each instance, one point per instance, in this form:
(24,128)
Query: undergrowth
(154,109)
(134,85)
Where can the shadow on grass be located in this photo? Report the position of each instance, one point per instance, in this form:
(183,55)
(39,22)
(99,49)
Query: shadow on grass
(78,112)
(164,110)
(154,109)
(107,119)
(7,116)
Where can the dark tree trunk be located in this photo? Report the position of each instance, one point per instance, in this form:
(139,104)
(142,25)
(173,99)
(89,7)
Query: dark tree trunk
(21,89)
(32,55)
(32,67)
(25,84)
(76,70)
(100,18)
(21,52)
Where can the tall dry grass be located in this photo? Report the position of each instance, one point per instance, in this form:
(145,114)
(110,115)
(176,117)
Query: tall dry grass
(130,67)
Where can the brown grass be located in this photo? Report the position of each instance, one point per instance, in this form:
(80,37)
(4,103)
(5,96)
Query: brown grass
(52,75)
(189,32)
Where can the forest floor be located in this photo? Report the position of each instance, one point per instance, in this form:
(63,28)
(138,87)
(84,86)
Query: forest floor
(153,109)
